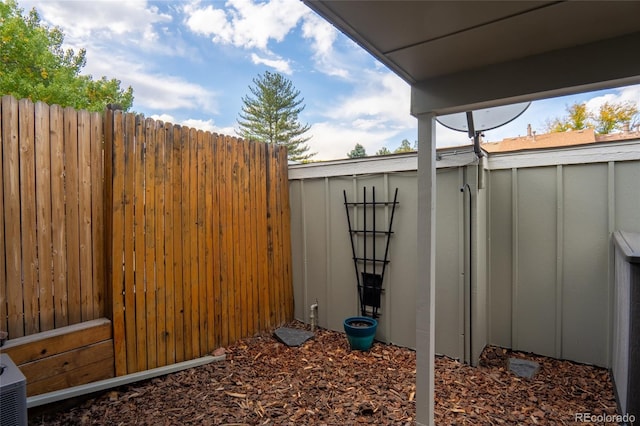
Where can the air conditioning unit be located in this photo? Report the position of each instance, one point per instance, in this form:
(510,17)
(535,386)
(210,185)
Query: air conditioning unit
(13,394)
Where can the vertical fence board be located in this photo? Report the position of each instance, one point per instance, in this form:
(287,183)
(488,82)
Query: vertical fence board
(265,311)
(243,309)
(84,215)
(97,216)
(186,244)
(176,186)
(285,260)
(253,246)
(223,177)
(129,248)
(28,215)
(169,261)
(108,211)
(209,310)
(275,229)
(273,301)
(116,176)
(278,232)
(160,311)
(226,243)
(248,245)
(193,246)
(200,229)
(147,207)
(59,230)
(140,235)
(11,169)
(217,255)
(234,249)
(72,214)
(43,215)
(4,324)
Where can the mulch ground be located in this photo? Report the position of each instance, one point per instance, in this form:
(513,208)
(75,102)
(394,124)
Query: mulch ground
(323,382)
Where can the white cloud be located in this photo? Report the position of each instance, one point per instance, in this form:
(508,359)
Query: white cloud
(333,140)
(208,125)
(82,19)
(167,118)
(627,94)
(244,23)
(381,97)
(323,36)
(151,89)
(209,21)
(374,114)
(279,65)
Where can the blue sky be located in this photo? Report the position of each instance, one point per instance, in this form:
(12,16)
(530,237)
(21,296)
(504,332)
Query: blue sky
(191,62)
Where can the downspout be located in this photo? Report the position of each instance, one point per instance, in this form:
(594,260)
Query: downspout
(475,134)
(466,185)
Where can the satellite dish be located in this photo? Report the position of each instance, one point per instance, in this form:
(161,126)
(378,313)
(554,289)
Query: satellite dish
(476,122)
(483,119)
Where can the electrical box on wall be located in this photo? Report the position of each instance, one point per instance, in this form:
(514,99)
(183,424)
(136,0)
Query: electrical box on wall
(13,394)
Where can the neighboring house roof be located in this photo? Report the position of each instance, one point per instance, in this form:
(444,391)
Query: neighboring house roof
(554,140)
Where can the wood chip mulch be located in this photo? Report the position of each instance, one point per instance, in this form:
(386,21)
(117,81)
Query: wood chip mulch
(323,382)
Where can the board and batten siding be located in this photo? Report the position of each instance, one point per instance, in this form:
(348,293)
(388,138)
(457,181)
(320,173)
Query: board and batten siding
(550,252)
(323,268)
(541,261)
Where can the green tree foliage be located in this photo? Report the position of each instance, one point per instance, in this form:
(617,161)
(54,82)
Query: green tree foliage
(613,116)
(383,151)
(271,115)
(34,65)
(577,119)
(405,146)
(610,117)
(357,152)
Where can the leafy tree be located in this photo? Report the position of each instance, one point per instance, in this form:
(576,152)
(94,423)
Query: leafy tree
(357,152)
(405,146)
(34,65)
(610,117)
(577,119)
(271,115)
(383,151)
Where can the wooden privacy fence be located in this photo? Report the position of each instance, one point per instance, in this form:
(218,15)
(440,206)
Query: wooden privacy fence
(200,248)
(180,237)
(51,217)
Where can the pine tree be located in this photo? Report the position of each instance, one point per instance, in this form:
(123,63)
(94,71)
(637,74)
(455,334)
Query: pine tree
(271,115)
(357,152)
(405,146)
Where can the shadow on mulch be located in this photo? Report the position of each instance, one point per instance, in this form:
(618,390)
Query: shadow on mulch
(323,382)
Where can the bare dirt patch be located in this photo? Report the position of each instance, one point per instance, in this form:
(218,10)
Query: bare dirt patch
(323,382)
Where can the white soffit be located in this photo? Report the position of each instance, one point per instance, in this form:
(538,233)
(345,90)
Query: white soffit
(462,54)
(425,39)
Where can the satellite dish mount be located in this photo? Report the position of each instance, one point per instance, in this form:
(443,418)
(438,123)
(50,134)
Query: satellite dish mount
(476,122)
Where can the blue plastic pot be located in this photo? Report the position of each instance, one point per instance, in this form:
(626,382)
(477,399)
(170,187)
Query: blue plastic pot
(360,332)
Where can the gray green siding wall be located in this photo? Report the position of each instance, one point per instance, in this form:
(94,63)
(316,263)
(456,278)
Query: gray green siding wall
(541,258)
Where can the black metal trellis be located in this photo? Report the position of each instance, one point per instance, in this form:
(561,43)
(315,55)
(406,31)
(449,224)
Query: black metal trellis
(371,276)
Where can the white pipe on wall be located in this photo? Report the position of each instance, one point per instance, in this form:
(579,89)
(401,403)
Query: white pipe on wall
(313,316)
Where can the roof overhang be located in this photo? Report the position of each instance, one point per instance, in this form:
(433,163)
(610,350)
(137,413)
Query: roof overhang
(462,55)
